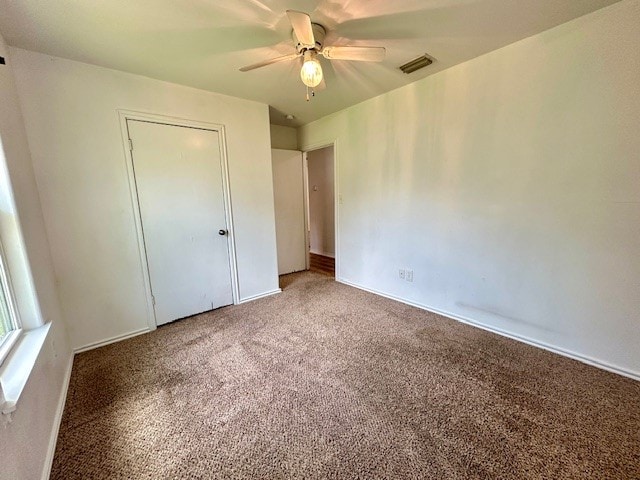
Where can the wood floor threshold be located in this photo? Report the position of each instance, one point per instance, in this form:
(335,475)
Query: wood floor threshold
(322,264)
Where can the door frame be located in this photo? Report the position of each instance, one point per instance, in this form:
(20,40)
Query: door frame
(124,116)
(337,198)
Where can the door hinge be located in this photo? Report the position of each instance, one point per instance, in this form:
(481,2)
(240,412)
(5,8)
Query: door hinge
(153,300)
(130,145)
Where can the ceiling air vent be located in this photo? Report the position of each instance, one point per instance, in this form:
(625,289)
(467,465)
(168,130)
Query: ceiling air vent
(416,64)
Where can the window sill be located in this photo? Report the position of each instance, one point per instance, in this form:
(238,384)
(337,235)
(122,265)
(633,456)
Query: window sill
(17,367)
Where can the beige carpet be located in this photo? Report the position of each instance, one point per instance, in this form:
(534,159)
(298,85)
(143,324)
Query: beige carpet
(326,381)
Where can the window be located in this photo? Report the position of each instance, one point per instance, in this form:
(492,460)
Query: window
(19,349)
(9,322)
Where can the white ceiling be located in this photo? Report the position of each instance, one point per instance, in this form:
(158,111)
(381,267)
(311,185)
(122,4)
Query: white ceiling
(202,43)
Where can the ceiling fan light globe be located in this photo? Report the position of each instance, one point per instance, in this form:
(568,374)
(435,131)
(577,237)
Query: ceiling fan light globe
(311,73)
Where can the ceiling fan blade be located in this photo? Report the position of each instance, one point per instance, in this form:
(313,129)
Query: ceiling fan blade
(361,54)
(301,23)
(269,62)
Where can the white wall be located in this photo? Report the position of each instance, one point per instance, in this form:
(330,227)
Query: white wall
(321,201)
(74,134)
(509,184)
(24,443)
(285,138)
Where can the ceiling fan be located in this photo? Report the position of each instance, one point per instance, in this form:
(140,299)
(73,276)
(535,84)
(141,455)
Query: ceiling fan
(308,39)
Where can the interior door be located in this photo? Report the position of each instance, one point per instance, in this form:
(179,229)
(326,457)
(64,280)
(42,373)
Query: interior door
(178,174)
(288,193)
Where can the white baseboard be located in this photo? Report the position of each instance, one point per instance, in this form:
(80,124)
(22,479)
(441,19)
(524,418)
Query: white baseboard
(260,295)
(529,341)
(57,420)
(115,339)
(293,271)
(324,254)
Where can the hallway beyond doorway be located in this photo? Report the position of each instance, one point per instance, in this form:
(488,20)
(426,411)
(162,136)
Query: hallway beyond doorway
(322,264)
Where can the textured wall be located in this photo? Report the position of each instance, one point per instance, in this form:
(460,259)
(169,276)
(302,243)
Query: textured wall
(321,201)
(25,442)
(285,138)
(509,184)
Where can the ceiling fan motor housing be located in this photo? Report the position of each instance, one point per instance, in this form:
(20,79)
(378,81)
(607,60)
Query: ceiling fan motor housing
(319,33)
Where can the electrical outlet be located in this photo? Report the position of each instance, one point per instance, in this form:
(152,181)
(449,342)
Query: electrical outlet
(409,275)
(401,273)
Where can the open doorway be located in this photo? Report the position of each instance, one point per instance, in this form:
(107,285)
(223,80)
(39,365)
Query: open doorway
(321,249)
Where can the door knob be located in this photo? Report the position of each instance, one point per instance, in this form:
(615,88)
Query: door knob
(222,232)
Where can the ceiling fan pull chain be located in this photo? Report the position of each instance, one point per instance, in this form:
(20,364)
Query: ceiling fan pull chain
(307,93)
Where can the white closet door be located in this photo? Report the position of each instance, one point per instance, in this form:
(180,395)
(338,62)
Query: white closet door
(288,192)
(178,174)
